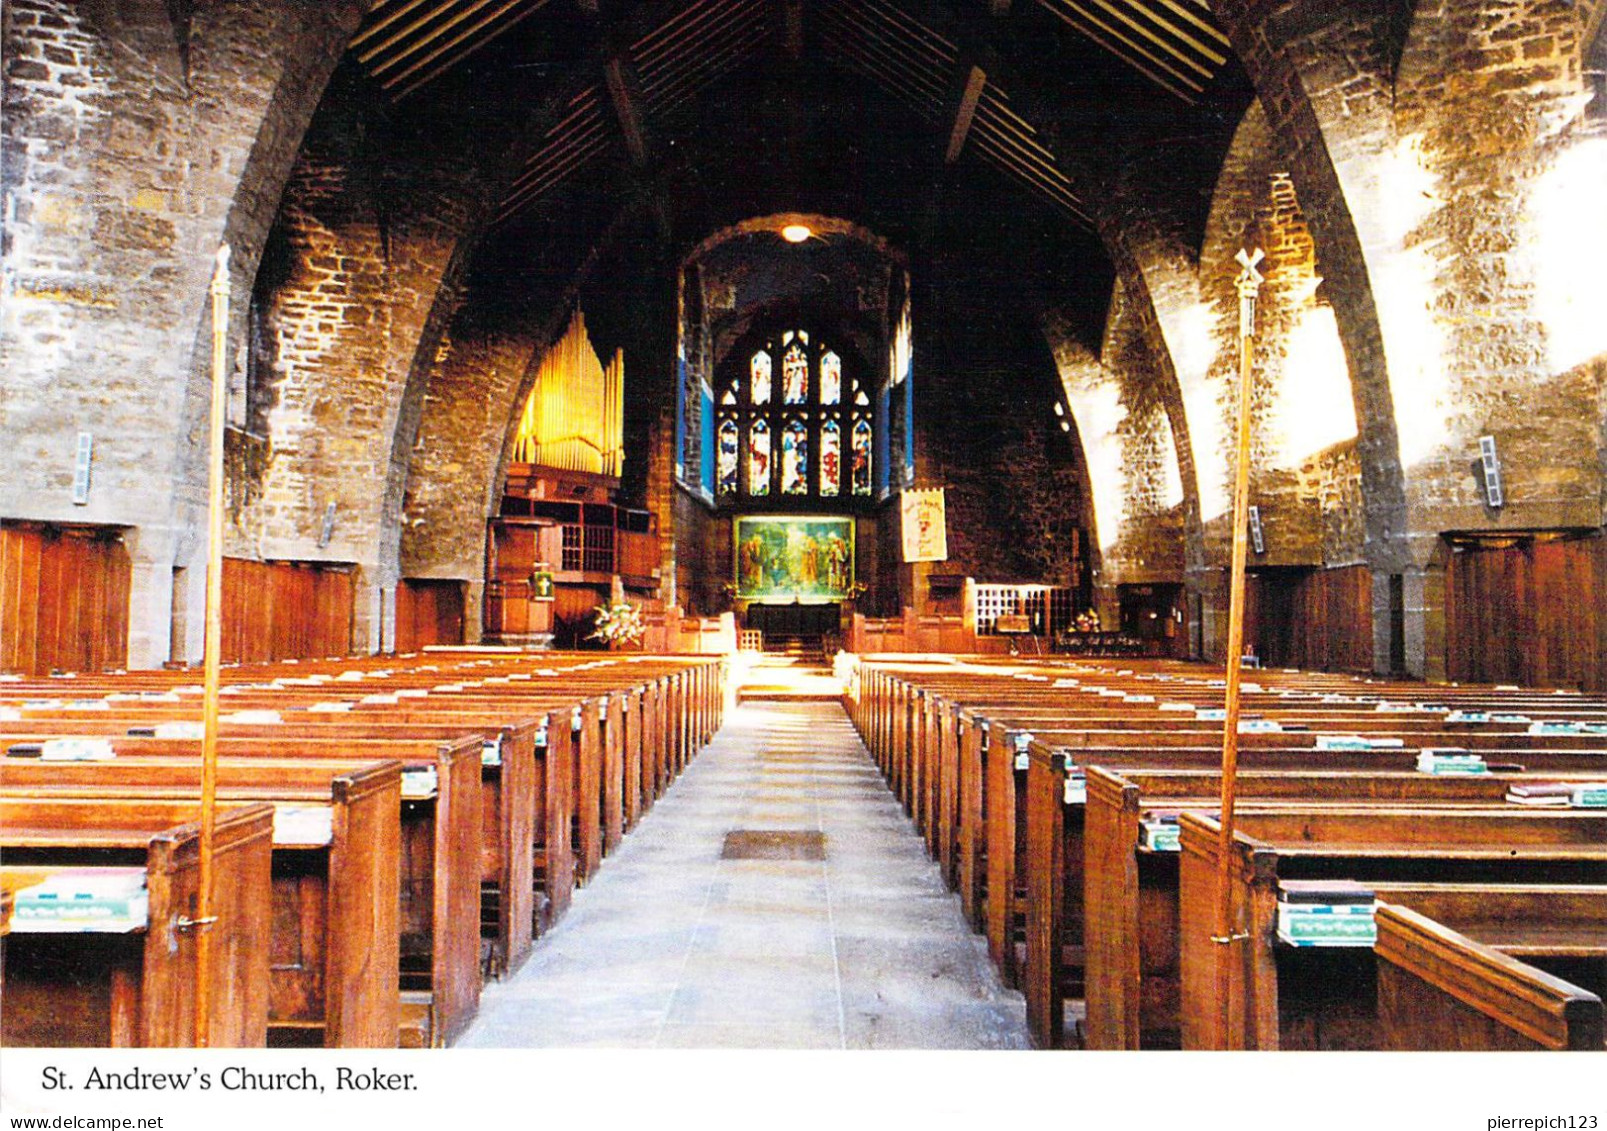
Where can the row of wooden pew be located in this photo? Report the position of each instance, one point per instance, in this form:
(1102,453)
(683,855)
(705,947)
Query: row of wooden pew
(1047,791)
(392,830)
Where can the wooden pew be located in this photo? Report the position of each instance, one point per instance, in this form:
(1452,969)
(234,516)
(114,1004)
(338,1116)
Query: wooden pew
(1439,989)
(1130,927)
(335,939)
(440,864)
(615,789)
(139,989)
(517,808)
(1365,845)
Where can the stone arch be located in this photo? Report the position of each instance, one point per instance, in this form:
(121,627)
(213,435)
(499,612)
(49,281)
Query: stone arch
(148,145)
(1326,87)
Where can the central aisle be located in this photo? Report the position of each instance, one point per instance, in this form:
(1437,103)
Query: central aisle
(695,935)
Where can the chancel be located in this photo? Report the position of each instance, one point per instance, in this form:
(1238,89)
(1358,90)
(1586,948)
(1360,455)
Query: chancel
(922,524)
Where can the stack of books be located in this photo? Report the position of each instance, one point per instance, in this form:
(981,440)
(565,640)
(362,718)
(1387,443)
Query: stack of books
(491,751)
(1160,832)
(1356,742)
(303,825)
(1578,795)
(1326,913)
(1076,792)
(1023,741)
(1449,760)
(419,784)
(1549,726)
(1260,726)
(79,900)
(76,750)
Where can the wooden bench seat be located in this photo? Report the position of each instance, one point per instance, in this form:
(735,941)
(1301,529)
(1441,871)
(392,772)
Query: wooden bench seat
(1129,927)
(441,854)
(947,742)
(1440,989)
(138,989)
(335,944)
(1366,845)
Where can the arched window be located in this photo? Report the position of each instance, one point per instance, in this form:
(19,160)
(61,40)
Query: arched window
(808,424)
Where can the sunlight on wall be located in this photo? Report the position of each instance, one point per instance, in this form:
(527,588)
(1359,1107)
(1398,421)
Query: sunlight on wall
(1403,291)
(1208,435)
(1567,222)
(1314,408)
(1191,335)
(1098,412)
(1171,494)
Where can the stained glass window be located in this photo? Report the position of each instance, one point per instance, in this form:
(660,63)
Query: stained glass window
(759,457)
(813,434)
(728,456)
(760,371)
(795,375)
(862,446)
(795,458)
(831,378)
(831,457)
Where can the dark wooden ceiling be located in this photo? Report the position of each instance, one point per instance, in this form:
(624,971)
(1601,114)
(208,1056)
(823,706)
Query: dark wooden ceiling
(926,120)
(950,63)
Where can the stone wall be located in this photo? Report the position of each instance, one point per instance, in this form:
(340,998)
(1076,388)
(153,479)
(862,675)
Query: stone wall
(137,138)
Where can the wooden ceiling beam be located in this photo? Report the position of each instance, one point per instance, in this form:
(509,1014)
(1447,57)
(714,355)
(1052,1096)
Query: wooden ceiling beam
(792,28)
(730,36)
(573,83)
(975,80)
(983,43)
(625,109)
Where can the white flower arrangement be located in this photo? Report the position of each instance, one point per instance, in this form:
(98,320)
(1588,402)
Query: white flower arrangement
(618,622)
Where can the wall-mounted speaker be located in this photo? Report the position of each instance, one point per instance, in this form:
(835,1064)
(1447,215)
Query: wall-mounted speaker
(1256,539)
(1490,463)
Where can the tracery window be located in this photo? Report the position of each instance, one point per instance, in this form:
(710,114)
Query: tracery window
(800,430)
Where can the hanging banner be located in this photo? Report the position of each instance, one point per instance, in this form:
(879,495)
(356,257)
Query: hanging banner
(926,536)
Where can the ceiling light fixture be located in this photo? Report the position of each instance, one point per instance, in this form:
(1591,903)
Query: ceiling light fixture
(796,233)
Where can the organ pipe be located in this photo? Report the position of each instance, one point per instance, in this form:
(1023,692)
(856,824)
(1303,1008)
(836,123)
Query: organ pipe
(574,418)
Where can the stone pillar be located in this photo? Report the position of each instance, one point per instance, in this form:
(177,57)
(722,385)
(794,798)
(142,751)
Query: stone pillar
(473,611)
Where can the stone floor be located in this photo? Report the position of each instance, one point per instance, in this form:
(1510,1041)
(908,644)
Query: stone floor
(676,944)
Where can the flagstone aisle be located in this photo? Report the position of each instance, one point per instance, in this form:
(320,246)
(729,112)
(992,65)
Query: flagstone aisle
(681,943)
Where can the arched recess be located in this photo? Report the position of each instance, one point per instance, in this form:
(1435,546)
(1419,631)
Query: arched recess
(1323,75)
(476,379)
(1136,497)
(377,248)
(144,139)
(1423,138)
(1304,469)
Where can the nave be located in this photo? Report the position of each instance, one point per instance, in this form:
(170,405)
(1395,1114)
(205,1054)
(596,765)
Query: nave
(723,923)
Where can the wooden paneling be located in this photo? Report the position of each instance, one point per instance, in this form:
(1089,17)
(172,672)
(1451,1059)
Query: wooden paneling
(428,611)
(1321,620)
(285,610)
(1529,612)
(63,599)
(639,554)
(573,611)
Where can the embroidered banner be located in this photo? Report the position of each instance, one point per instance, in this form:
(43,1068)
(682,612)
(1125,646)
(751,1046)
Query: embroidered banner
(926,536)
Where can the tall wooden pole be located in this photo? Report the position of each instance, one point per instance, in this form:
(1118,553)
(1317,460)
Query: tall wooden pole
(1249,285)
(202,924)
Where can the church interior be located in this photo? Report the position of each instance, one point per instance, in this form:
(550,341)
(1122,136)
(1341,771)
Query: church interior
(971,524)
